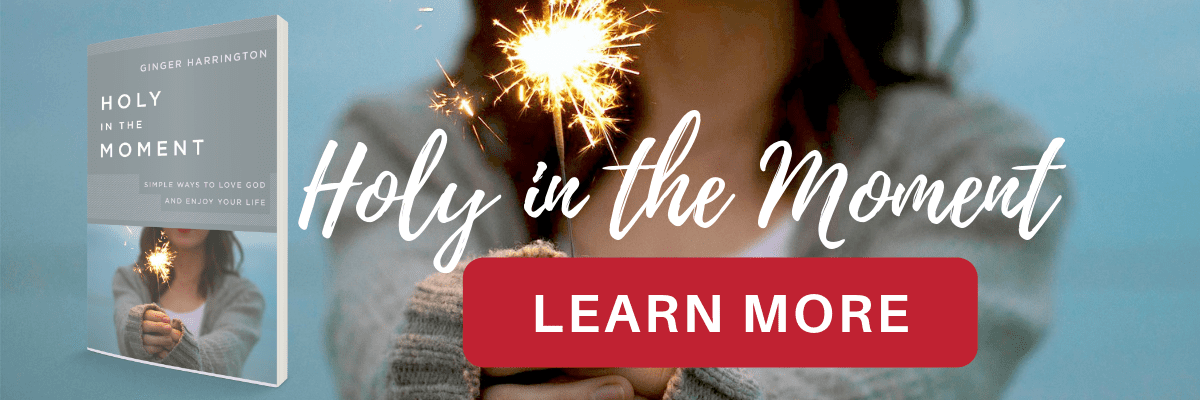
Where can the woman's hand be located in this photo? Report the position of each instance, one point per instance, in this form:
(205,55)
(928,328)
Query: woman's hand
(159,333)
(584,383)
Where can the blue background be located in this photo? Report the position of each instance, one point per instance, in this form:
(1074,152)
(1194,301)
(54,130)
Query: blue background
(1117,79)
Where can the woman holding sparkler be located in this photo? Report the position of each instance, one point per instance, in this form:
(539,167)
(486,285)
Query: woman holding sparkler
(183,303)
(847,78)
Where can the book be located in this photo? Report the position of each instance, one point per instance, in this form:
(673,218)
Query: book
(186,199)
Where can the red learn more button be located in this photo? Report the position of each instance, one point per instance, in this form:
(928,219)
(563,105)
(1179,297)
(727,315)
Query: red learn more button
(720,312)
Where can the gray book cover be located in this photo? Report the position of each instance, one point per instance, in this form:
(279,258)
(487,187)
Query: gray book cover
(187,202)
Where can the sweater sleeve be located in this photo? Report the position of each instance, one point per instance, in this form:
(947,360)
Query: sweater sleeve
(131,301)
(374,271)
(950,140)
(224,347)
(712,384)
(427,360)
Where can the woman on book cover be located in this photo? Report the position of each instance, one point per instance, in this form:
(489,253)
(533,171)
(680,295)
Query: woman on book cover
(203,316)
(847,78)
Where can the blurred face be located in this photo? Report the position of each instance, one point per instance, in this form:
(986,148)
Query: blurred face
(186,239)
(727,53)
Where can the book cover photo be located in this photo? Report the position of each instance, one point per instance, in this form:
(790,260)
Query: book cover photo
(186,201)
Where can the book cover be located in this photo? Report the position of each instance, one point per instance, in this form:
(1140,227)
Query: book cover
(186,201)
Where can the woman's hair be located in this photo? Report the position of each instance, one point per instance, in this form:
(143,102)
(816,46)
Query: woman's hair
(219,259)
(843,46)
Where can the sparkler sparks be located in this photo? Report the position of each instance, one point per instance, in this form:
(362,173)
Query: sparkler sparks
(570,60)
(158,261)
(460,102)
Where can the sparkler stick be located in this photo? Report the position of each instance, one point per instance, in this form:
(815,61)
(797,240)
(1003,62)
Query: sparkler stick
(560,144)
(559,141)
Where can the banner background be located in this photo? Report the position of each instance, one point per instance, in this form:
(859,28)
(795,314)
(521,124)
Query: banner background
(1117,80)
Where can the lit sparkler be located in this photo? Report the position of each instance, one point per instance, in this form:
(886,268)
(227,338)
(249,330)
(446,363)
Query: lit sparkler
(569,60)
(158,261)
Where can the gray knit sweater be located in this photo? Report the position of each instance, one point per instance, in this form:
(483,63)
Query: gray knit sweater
(232,324)
(388,337)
